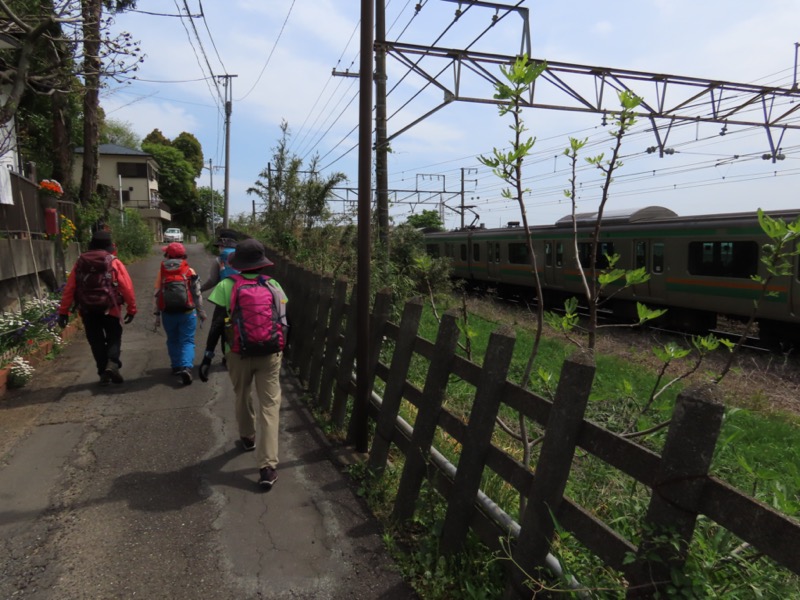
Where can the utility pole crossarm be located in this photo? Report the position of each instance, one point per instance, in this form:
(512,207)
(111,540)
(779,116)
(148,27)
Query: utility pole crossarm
(672,97)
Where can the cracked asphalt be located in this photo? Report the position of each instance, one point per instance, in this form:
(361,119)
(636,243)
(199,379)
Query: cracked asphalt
(139,491)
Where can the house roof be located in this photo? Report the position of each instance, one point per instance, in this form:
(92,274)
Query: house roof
(116,150)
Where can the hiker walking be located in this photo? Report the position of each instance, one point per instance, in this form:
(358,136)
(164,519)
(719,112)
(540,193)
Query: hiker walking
(254,323)
(178,303)
(98,285)
(221,269)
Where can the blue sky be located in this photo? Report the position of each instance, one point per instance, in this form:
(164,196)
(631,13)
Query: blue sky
(283,53)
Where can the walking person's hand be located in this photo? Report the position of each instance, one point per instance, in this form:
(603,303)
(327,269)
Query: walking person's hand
(205,365)
(156,321)
(128,318)
(63,320)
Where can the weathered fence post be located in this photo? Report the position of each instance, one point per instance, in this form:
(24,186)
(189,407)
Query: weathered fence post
(295,312)
(332,345)
(315,294)
(427,418)
(477,439)
(344,373)
(552,470)
(320,335)
(393,394)
(378,319)
(683,469)
(306,299)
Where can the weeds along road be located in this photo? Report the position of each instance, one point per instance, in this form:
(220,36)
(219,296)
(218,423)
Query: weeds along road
(138,490)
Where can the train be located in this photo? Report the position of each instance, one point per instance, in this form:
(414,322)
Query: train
(700,268)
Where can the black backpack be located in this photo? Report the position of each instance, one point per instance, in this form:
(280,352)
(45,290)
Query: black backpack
(96,290)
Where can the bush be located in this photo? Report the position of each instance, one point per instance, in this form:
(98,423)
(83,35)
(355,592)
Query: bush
(133,238)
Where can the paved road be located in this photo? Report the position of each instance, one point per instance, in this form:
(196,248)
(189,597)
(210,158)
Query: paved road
(138,490)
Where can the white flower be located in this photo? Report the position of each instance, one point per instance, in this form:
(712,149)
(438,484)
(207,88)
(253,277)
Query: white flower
(21,372)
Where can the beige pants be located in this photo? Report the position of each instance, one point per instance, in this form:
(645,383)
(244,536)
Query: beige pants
(259,418)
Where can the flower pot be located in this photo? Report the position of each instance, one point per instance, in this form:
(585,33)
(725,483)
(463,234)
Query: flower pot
(48,201)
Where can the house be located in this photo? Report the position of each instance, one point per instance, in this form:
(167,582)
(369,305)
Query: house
(133,175)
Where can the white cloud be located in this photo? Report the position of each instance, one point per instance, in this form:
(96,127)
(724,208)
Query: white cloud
(720,39)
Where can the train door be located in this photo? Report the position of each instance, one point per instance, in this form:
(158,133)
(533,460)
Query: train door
(549,263)
(493,260)
(658,260)
(640,259)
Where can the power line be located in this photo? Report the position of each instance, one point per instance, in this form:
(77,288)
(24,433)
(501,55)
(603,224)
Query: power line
(200,44)
(275,45)
(211,37)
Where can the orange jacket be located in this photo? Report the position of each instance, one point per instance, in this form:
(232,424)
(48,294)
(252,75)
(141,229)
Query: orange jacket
(124,283)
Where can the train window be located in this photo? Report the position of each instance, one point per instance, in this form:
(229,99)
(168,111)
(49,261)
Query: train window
(723,259)
(476,252)
(497,253)
(640,259)
(463,252)
(518,254)
(560,254)
(658,257)
(548,254)
(603,249)
(432,250)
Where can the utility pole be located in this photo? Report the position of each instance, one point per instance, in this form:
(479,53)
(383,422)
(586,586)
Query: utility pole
(226,80)
(381,144)
(362,399)
(465,170)
(211,188)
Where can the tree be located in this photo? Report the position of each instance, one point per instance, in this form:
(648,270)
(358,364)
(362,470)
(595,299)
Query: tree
(191,149)
(121,133)
(204,196)
(156,137)
(35,63)
(93,55)
(47,61)
(176,183)
(292,202)
(428,219)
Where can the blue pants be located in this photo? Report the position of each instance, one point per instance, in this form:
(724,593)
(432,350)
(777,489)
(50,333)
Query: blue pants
(180,328)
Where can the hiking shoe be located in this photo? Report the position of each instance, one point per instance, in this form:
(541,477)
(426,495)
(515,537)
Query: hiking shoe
(267,477)
(248,443)
(112,371)
(176,370)
(105,377)
(186,376)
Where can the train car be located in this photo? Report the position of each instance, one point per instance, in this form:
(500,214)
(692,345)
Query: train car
(699,266)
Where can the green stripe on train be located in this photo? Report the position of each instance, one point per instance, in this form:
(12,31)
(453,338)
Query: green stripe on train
(725,292)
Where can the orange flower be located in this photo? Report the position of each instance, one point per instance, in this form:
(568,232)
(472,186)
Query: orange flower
(52,186)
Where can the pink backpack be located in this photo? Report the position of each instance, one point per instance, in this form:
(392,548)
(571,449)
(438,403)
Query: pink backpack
(258,316)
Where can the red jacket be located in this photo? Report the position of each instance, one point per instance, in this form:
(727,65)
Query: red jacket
(125,286)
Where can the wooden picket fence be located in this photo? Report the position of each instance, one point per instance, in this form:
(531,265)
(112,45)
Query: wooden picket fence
(322,351)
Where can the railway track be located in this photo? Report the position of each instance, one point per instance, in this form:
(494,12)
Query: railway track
(731,332)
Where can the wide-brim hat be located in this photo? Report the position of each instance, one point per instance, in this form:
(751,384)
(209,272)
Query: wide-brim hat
(101,237)
(174,250)
(101,240)
(249,255)
(225,242)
